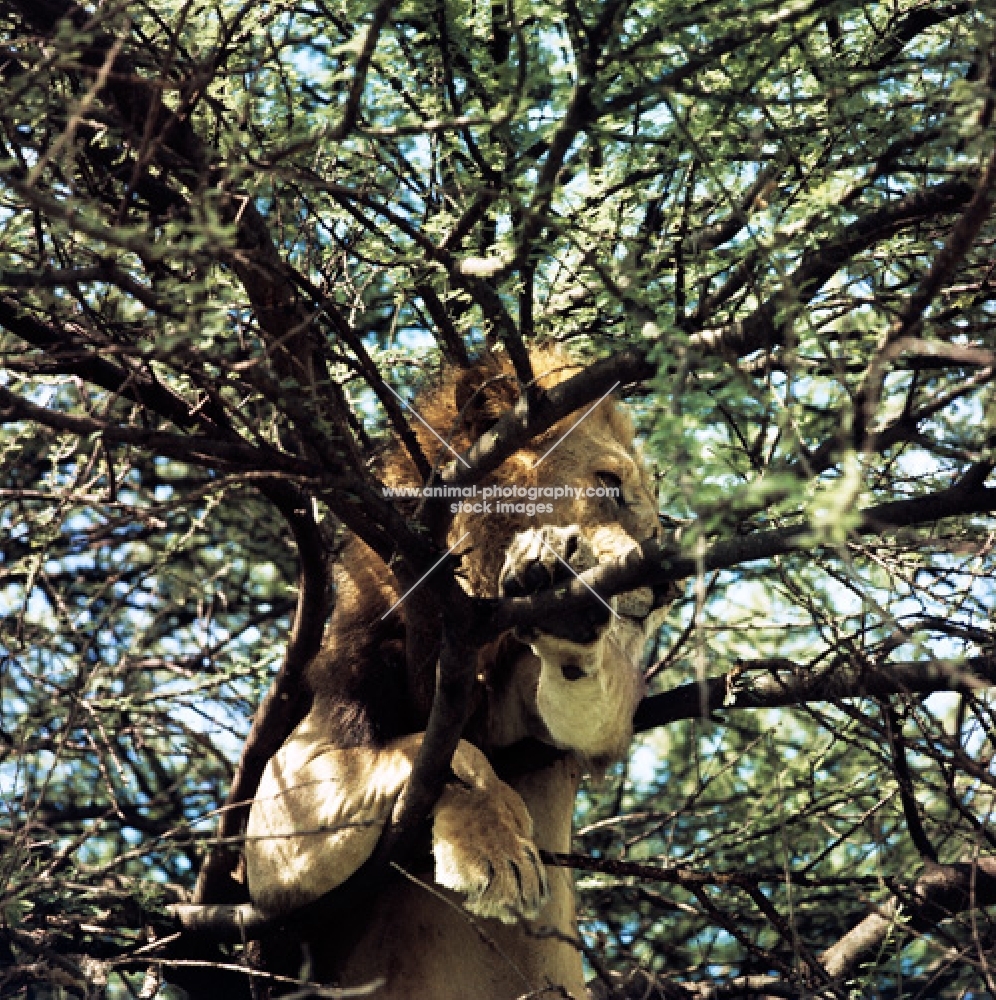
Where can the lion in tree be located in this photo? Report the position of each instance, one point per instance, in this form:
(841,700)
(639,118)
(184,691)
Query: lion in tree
(485,919)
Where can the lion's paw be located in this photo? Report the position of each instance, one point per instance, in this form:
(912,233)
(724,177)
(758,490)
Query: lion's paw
(542,557)
(482,849)
(539,557)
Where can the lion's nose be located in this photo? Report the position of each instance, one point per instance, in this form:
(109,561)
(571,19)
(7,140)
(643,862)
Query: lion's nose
(572,671)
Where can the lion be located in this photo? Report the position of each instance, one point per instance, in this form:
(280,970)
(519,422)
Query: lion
(489,921)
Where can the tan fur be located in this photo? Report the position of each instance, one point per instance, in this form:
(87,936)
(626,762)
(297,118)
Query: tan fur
(491,923)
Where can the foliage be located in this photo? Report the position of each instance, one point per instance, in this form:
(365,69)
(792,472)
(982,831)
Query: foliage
(230,233)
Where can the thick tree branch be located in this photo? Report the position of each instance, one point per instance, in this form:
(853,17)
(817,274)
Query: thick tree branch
(956,246)
(199,449)
(911,25)
(941,892)
(450,710)
(71,276)
(74,356)
(286,700)
(351,113)
(781,684)
(904,779)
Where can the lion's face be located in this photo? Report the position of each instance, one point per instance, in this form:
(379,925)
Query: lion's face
(584,496)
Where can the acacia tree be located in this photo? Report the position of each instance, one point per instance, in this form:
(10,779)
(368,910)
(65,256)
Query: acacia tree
(234,236)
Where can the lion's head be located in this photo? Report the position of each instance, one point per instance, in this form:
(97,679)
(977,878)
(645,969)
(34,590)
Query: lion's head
(576,495)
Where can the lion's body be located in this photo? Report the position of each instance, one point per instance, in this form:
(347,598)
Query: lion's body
(493,923)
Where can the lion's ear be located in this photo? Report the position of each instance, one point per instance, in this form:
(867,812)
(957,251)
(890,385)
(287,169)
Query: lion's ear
(482,397)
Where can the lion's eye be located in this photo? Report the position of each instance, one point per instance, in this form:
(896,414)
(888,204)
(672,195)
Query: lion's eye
(611,482)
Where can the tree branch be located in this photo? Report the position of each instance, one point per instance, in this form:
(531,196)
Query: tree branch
(74,356)
(941,892)
(450,710)
(762,329)
(653,564)
(904,779)
(351,112)
(286,701)
(199,449)
(781,683)
(957,244)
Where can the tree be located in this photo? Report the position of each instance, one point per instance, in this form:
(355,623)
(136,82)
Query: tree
(234,236)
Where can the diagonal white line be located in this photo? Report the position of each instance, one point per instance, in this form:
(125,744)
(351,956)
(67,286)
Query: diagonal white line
(426,574)
(564,438)
(571,568)
(418,416)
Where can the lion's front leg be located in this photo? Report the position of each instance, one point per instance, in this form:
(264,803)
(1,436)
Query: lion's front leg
(320,811)
(481,840)
(590,679)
